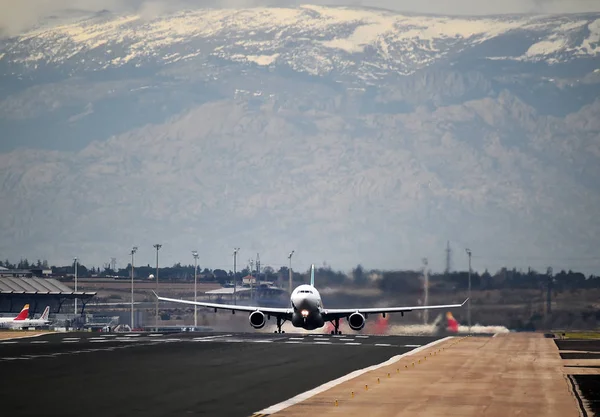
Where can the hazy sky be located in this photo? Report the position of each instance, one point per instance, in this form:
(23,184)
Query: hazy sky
(17,16)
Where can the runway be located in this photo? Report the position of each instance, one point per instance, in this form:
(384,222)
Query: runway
(153,374)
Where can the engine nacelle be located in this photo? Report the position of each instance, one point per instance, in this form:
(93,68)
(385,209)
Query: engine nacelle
(356,321)
(257,319)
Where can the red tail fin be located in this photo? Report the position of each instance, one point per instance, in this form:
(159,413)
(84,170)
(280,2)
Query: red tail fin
(452,323)
(24,313)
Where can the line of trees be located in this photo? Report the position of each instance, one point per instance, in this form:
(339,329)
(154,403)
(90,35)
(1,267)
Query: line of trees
(406,281)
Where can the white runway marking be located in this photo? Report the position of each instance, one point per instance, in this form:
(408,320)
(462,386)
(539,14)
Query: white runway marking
(292,341)
(362,336)
(346,340)
(262,341)
(155,334)
(382,344)
(72,338)
(353,343)
(70,341)
(209,338)
(39,341)
(411,345)
(306,395)
(296,338)
(322,343)
(10,342)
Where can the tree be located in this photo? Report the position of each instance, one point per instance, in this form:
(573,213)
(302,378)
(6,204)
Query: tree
(359,276)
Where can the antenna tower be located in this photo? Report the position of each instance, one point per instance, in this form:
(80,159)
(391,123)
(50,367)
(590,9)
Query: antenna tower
(448,257)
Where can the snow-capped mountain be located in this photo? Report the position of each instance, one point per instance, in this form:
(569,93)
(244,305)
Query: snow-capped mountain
(353,135)
(364,44)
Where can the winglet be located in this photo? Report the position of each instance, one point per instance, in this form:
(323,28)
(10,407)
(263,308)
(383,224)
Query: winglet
(464,302)
(312,275)
(155,294)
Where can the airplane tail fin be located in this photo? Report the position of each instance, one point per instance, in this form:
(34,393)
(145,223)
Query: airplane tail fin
(24,313)
(45,314)
(452,322)
(312,275)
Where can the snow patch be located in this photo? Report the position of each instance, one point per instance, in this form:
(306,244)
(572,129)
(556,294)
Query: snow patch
(262,59)
(545,48)
(591,45)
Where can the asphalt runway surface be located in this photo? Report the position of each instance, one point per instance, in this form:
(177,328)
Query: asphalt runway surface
(216,374)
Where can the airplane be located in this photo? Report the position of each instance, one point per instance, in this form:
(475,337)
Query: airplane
(307,311)
(26,323)
(21,316)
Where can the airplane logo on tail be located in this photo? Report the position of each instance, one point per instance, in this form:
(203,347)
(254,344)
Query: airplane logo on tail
(452,323)
(23,314)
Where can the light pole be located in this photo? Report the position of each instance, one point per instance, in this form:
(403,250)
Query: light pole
(133,251)
(157,246)
(469,295)
(426,302)
(290,270)
(195,254)
(75,260)
(235,251)
(251,279)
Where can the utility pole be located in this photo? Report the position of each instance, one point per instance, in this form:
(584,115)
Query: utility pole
(133,251)
(548,295)
(157,246)
(290,270)
(235,251)
(448,257)
(426,283)
(195,254)
(469,295)
(251,279)
(75,260)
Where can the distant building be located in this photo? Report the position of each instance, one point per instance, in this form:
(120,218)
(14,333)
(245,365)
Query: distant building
(26,273)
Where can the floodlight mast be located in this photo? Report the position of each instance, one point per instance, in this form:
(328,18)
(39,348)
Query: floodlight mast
(469,292)
(195,254)
(290,270)
(157,246)
(75,261)
(133,251)
(235,252)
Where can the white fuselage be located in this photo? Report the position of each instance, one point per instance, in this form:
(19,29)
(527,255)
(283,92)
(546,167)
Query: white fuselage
(18,324)
(307,305)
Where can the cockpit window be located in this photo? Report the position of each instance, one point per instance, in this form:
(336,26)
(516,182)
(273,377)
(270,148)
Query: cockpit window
(305,291)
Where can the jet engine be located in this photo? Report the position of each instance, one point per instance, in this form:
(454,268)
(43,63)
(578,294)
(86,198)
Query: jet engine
(356,321)
(257,319)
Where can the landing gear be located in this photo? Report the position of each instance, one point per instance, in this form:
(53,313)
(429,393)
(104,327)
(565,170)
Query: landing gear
(279,324)
(336,324)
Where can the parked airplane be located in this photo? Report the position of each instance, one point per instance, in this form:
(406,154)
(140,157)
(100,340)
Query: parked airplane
(306,310)
(21,316)
(26,323)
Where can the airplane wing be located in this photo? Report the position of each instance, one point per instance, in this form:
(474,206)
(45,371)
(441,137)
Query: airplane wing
(332,313)
(267,310)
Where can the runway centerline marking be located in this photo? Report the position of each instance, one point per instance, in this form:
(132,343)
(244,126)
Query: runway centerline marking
(308,394)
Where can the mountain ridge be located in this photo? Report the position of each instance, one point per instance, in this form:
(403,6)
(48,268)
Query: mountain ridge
(370,158)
